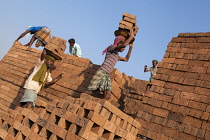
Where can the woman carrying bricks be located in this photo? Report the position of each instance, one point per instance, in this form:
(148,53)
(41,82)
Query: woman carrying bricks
(39,77)
(101,80)
(41,33)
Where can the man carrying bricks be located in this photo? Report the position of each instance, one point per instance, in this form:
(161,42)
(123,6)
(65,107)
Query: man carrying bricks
(41,33)
(101,80)
(152,70)
(38,78)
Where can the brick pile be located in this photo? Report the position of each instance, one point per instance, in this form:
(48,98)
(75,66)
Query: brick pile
(17,65)
(128,23)
(178,104)
(73,118)
(176,107)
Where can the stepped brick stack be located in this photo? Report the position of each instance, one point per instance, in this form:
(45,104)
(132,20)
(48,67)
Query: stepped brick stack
(176,107)
(56,47)
(75,119)
(128,23)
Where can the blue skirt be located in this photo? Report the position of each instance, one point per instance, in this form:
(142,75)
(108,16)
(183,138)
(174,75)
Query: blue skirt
(29,96)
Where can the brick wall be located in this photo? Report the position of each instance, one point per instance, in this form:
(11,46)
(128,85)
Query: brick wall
(46,120)
(177,106)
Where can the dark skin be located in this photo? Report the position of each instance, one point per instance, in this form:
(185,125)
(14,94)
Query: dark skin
(31,41)
(72,44)
(120,48)
(49,64)
(154,64)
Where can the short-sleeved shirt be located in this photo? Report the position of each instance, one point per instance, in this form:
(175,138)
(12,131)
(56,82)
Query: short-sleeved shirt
(35,29)
(34,85)
(75,50)
(111,59)
(153,71)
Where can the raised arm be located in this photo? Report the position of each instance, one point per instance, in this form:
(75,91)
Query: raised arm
(145,68)
(44,53)
(126,42)
(127,57)
(22,35)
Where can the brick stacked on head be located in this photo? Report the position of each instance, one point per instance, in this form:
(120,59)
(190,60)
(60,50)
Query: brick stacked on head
(56,47)
(128,23)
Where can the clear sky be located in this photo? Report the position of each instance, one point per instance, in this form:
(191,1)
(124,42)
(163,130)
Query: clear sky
(93,22)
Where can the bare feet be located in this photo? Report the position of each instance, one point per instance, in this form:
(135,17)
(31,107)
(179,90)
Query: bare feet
(28,49)
(26,104)
(88,92)
(107,95)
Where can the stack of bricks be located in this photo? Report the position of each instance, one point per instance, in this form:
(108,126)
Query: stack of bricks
(128,23)
(56,47)
(68,119)
(15,69)
(177,105)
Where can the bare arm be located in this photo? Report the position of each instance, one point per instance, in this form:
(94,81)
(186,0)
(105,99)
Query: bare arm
(145,68)
(22,35)
(44,53)
(56,79)
(126,42)
(128,54)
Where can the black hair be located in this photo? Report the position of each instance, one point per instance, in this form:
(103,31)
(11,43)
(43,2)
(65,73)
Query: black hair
(71,40)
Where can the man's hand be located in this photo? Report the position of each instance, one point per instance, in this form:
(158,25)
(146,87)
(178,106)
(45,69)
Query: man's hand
(131,45)
(131,33)
(60,76)
(145,67)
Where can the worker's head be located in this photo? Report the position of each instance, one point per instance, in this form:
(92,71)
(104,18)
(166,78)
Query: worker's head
(119,39)
(120,44)
(71,41)
(49,61)
(154,63)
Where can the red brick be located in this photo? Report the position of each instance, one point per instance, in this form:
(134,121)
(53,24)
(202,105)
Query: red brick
(3,133)
(110,126)
(151,134)
(61,132)
(207,135)
(72,136)
(121,132)
(183,136)
(83,122)
(197,105)
(165,98)
(192,121)
(170,132)
(25,130)
(32,116)
(71,117)
(206,126)
(161,112)
(194,131)
(201,133)
(90,105)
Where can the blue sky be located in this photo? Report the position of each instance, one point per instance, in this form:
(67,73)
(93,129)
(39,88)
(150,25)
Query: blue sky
(93,22)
